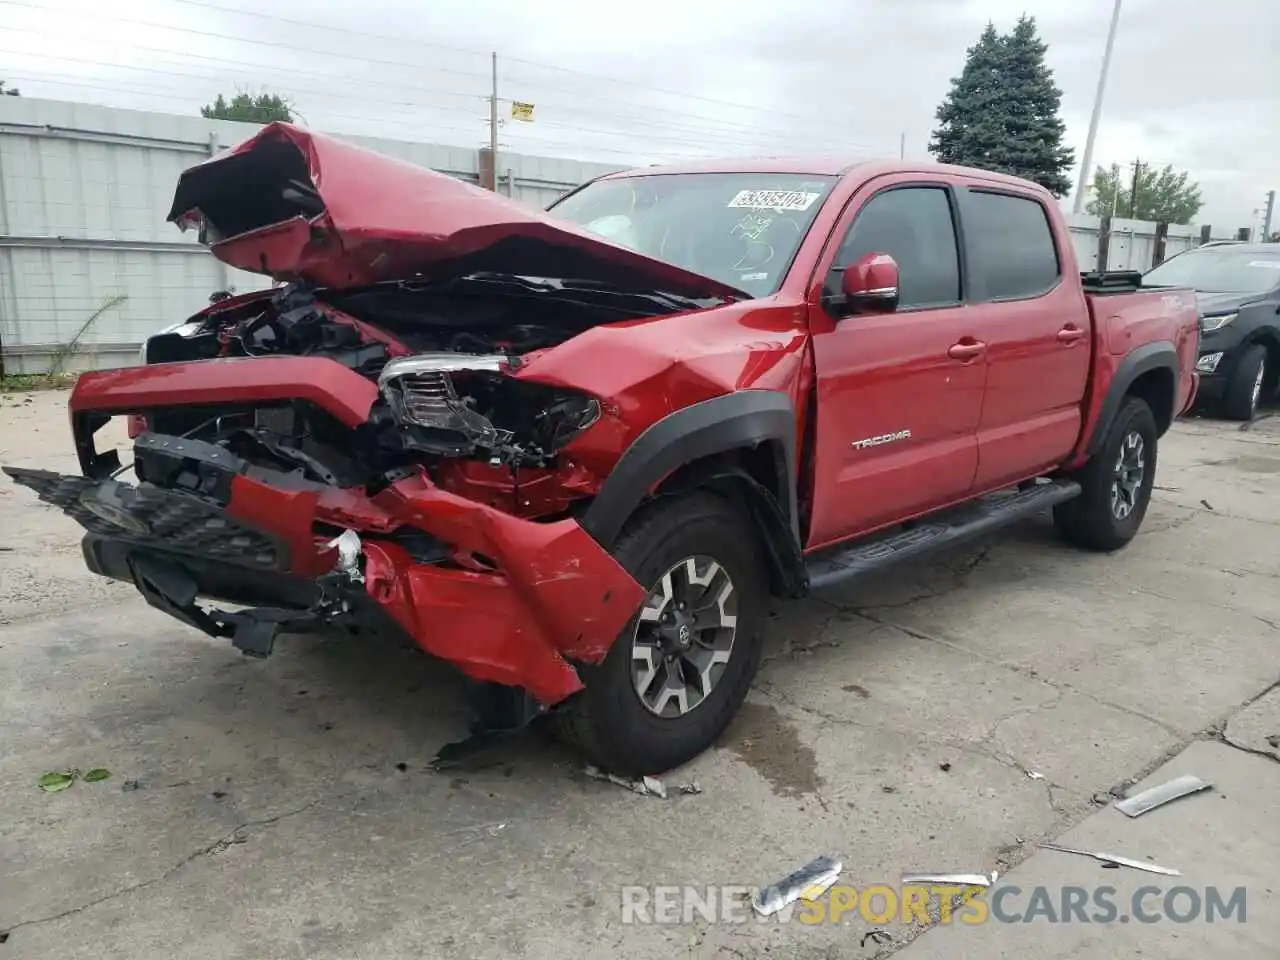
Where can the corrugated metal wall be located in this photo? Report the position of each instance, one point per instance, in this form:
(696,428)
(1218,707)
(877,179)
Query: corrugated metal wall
(84,191)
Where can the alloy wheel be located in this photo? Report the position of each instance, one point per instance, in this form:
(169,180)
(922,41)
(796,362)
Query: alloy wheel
(684,637)
(1126,479)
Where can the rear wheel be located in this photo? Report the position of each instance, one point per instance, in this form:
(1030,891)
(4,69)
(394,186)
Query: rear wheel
(682,666)
(1245,388)
(1115,485)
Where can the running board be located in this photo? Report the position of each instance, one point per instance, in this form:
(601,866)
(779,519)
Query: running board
(971,520)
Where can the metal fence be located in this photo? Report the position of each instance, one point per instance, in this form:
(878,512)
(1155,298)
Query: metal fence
(89,268)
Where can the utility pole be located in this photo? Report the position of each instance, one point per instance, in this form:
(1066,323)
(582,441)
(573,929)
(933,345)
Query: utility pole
(1086,162)
(493,123)
(1266,219)
(902,146)
(1133,190)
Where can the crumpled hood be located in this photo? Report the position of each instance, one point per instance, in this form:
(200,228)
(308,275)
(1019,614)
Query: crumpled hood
(297,205)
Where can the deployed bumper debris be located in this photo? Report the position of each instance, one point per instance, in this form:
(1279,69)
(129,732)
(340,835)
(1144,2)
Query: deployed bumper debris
(1111,858)
(1158,796)
(808,883)
(645,786)
(958,879)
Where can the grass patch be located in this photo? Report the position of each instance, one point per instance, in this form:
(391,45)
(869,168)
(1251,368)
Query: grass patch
(25,383)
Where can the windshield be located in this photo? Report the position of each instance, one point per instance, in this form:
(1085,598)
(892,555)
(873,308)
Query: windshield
(742,229)
(1219,270)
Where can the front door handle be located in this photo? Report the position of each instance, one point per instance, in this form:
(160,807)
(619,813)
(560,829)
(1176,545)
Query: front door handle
(966,349)
(1070,334)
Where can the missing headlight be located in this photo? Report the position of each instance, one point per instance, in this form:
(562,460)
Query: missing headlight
(452,404)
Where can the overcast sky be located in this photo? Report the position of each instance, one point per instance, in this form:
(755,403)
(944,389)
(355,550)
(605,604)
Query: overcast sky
(1194,84)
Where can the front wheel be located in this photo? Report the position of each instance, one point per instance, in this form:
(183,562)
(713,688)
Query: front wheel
(1244,388)
(681,668)
(1115,485)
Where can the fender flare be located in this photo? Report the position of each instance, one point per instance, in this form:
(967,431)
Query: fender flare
(1160,355)
(734,421)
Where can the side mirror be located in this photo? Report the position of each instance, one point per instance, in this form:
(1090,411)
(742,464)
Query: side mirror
(868,285)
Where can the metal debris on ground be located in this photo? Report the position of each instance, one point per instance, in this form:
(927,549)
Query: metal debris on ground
(130,785)
(808,883)
(1157,796)
(959,879)
(645,786)
(1107,859)
(692,787)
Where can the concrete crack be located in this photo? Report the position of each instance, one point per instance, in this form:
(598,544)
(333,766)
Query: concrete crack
(238,835)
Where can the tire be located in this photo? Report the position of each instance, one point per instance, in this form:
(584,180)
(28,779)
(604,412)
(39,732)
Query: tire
(608,720)
(1245,388)
(1111,506)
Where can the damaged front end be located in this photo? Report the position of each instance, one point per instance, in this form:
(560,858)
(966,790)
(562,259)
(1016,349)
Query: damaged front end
(389,437)
(243,513)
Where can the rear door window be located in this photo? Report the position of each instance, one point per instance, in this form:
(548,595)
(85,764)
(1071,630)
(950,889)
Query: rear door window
(914,226)
(1012,253)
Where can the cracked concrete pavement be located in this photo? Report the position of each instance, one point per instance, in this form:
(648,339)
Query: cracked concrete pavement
(286,808)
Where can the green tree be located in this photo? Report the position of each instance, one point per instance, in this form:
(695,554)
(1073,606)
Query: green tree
(264,108)
(9,91)
(1001,113)
(1162,195)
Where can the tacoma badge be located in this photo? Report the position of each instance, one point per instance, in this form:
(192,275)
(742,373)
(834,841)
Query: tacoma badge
(883,438)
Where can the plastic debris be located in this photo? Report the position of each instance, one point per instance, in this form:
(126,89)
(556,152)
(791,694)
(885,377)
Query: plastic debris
(808,883)
(878,937)
(130,785)
(690,788)
(645,786)
(349,547)
(1035,775)
(1111,859)
(958,879)
(1139,804)
(96,774)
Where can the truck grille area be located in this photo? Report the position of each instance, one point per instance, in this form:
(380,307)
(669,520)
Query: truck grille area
(152,517)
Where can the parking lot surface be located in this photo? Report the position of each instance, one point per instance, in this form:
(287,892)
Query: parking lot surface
(947,716)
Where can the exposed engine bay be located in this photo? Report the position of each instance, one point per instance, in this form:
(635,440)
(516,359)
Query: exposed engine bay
(443,359)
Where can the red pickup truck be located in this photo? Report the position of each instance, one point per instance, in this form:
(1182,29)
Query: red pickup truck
(573,451)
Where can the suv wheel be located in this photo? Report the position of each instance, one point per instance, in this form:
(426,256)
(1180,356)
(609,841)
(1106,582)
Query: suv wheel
(1115,485)
(681,667)
(1245,388)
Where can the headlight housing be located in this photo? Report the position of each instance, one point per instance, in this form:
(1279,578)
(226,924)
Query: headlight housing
(455,404)
(1216,321)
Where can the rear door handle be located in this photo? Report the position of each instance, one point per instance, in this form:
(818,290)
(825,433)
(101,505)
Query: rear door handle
(966,349)
(1070,334)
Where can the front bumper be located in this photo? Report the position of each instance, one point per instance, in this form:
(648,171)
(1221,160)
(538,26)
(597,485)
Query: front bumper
(507,600)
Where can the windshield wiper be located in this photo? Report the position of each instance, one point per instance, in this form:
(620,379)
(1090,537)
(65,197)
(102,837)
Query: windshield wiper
(662,297)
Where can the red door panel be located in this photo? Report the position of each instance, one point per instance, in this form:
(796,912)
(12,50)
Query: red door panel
(899,394)
(1037,328)
(879,376)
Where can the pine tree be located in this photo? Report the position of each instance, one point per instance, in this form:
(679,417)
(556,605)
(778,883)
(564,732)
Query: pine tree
(1001,113)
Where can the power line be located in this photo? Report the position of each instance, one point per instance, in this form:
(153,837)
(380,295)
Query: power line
(705,137)
(533,63)
(708,140)
(417,67)
(634,155)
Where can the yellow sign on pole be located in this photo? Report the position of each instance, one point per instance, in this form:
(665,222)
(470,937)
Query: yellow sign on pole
(521,111)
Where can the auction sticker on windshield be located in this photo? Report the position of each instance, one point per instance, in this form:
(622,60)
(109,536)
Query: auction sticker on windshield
(774,199)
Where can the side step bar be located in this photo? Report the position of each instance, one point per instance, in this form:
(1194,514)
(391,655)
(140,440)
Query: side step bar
(990,513)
